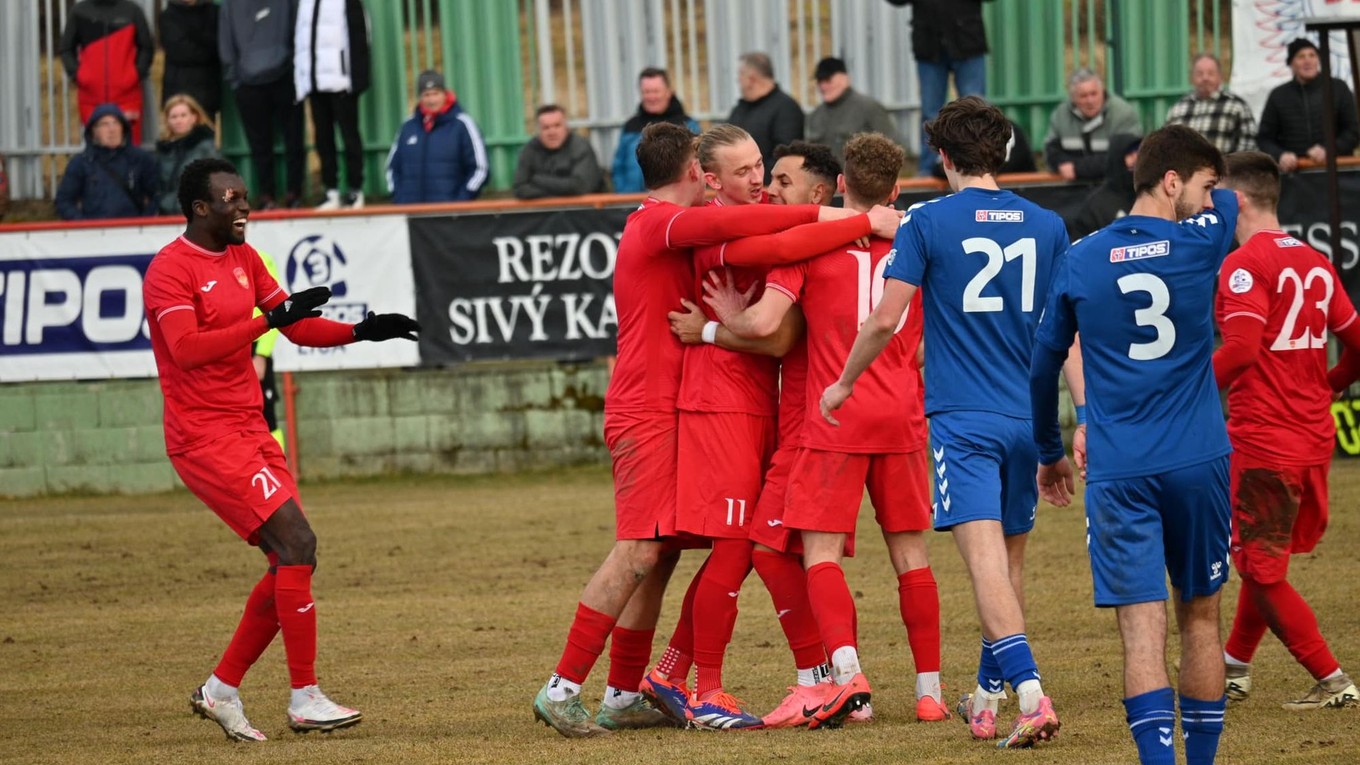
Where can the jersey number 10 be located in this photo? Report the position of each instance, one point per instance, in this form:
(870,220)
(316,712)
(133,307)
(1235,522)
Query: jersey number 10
(997,258)
(869,279)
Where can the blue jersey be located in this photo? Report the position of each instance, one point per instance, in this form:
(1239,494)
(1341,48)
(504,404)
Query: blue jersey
(983,260)
(1141,291)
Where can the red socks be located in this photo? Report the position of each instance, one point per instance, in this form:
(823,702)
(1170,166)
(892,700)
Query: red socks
(1281,607)
(629,652)
(716,599)
(259,624)
(784,577)
(679,656)
(832,605)
(585,642)
(297,620)
(1248,627)
(919,598)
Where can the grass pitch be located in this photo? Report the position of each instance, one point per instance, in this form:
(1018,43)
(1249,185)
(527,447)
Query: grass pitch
(444,604)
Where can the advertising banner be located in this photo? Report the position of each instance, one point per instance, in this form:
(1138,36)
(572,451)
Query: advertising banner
(516,285)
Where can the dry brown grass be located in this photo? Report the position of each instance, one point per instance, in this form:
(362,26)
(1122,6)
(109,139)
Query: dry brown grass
(444,603)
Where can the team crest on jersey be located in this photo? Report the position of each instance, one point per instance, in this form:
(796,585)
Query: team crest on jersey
(1288,241)
(1000,216)
(241,278)
(1240,281)
(1140,251)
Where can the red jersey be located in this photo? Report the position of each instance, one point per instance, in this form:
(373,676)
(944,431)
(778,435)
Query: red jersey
(793,372)
(836,289)
(221,289)
(653,272)
(719,380)
(1280,407)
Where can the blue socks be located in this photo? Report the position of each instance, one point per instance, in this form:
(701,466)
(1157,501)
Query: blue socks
(1202,724)
(989,677)
(1015,659)
(1152,721)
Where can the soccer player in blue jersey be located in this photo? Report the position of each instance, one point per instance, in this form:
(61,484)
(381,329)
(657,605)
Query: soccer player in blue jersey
(983,258)
(1141,291)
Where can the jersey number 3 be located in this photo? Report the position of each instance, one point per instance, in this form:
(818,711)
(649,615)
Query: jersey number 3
(1153,316)
(997,258)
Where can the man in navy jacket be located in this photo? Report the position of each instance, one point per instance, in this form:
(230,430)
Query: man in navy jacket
(438,155)
(111,178)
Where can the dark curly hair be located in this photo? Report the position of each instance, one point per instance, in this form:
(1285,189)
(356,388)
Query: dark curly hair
(818,159)
(195,184)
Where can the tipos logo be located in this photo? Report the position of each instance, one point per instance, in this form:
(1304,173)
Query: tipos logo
(1140,251)
(1000,216)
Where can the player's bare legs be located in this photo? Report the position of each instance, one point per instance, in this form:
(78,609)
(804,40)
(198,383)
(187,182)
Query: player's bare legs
(558,704)
(1015,559)
(630,649)
(834,608)
(984,550)
(1142,627)
(919,602)
(1201,676)
(289,536)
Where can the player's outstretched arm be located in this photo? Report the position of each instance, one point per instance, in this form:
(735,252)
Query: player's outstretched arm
(873,337)
(190,348)
(703,226)
(751,322)
(811,239)
(689,325)
(1347,369)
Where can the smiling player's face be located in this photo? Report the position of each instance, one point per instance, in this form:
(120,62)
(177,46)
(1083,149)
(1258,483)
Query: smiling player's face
(227,208)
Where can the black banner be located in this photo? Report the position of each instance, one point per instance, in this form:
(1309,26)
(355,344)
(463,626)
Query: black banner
(516,285)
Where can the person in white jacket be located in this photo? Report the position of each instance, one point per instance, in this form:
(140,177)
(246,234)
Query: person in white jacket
(331,70)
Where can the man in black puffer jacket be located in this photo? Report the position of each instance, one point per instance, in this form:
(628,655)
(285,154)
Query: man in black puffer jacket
(192,67)
(1292,124)
(111,178)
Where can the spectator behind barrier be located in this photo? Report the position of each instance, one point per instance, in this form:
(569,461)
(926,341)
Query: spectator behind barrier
(1292,122)
(1080,129)
(255,42)
(1114,197)
(556,162)
(1222,117)
(658,104)
(946,36)
(188,31)
(110,178)
(438,154)
(186,135)
(331,71)
(769,114)
(843,111)
(106,49)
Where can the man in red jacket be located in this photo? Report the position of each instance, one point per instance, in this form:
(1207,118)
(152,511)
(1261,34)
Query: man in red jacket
(106,49)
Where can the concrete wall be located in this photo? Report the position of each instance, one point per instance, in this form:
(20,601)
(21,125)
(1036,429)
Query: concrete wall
(106,436)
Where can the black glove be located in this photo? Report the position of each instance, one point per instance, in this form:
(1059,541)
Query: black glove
(298,306)
(386,326)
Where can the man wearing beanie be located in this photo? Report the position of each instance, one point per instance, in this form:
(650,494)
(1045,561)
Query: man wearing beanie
(438,155)
(1292,124)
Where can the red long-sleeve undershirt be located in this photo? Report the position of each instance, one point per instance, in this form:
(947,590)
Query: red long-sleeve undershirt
(702,226)
(1242,344)
(191,348)
(795,244)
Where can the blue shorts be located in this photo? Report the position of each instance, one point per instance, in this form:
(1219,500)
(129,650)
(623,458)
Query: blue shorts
(984,470)
(1139,530)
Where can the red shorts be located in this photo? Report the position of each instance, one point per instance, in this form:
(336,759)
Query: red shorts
(242,477)
(1277,510)
(642,445)
(826,489)
(767,526)
(722,462)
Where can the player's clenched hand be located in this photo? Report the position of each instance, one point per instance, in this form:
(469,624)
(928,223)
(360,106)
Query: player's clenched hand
(1079,450)
(386,326)
(885,220)
(298,306)
(835,394)
(1056,485)
(688,325)
(720,292)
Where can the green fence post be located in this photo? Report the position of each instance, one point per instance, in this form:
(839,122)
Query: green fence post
(1026,70)
(1155,57)
(388,101)
(481,47)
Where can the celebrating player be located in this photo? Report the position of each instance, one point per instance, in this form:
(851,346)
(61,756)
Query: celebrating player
(1140,290)
(200,291)
(653,274)
(1277,299)
(982,258)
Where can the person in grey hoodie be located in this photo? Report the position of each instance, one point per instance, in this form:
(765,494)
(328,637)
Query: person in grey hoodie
(556,162)
(255,42)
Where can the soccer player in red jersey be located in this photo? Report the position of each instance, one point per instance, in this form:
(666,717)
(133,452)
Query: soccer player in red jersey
(200,291)
(653,274)
(1277,299)
(727,433)
(881,445)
